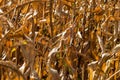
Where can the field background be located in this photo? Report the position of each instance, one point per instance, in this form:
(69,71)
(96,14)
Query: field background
(59,39)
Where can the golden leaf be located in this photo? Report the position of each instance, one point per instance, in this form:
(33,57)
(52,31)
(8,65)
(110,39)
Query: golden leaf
(24,42)
(1,1)
(25,9)
(111,18)
(44,73)
(95,55)
(9,43)
(14,49)
(0,32)
(98,9)
(48,19)
(97,18)
(91,74)
(35,5)
(104,67)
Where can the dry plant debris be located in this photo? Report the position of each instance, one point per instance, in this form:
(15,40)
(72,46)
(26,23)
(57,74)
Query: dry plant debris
(59,39)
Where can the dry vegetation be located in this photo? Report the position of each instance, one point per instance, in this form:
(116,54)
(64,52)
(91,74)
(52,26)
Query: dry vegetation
(59,39)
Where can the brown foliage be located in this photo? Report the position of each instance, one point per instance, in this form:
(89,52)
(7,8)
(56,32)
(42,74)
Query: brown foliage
(59,39)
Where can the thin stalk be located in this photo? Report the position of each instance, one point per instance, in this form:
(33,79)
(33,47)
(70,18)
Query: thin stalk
(51,25)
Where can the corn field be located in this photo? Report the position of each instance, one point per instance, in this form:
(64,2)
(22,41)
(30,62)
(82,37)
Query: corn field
(59,39)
